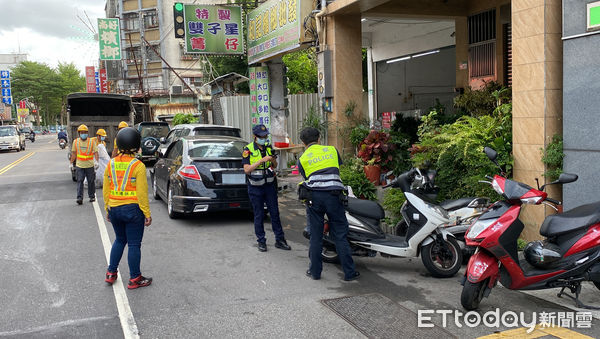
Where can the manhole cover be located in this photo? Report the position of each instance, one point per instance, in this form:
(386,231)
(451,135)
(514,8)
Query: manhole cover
(376,316)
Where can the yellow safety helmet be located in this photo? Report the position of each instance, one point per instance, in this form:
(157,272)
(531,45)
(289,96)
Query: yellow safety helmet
(101,132)
(82,128)
(123,124)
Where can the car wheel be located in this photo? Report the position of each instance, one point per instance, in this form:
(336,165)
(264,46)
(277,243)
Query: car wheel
(154,188)
(172,214)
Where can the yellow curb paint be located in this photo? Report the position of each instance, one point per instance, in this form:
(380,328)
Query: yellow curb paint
(15,163)
(538,332)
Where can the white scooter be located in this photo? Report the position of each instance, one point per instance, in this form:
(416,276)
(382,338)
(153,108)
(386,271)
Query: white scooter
(426,233)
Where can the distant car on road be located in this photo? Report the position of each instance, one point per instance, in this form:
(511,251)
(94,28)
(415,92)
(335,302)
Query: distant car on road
(183,130)
(151,133)
(11,138)
(200,174)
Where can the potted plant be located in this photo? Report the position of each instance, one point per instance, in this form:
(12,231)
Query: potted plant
(376,152)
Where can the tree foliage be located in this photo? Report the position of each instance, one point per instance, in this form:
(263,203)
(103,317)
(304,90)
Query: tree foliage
(46,87)
(301,71)
(181,118)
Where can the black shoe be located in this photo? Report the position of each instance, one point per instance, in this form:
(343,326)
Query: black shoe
(262,246)
(282,244)
(306,234)
(308,274)
(79,201)
(354,277)
(92,199)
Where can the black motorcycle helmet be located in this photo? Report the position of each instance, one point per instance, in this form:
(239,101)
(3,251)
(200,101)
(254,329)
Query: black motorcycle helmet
(128,140)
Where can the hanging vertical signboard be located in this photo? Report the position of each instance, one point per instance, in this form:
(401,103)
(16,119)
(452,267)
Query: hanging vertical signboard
(90,79)
(277,27)
(260,104)
(213,29)
(110,39)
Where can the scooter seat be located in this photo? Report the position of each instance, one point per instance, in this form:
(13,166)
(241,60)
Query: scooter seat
(450,205)
(578,218)
(365,208)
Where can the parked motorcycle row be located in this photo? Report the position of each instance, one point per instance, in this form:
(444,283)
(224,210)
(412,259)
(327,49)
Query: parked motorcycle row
(442,234)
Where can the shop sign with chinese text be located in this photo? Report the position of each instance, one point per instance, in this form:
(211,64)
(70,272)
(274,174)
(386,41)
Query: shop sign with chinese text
(276,27)
(90,79)
(213,29)
(260,102)
(110,39)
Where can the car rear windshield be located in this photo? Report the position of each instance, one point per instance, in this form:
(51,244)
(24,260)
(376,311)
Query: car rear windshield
(230,132)
(10,132)
(216,149)
(156,131)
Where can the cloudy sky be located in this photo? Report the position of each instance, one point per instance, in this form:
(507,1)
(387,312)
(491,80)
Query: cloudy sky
(49,31)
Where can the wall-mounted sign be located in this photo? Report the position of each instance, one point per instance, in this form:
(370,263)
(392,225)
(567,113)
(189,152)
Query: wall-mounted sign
(276,27)
(593,16)
(213,29)
(260,102)
(90,79)
(109,37)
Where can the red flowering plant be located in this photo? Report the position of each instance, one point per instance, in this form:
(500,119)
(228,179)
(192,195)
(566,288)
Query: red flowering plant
(377,149)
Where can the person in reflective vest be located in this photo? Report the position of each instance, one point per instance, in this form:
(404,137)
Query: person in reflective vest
(259,161)
(115,151)
(83,154)
(125,192)
(320,167)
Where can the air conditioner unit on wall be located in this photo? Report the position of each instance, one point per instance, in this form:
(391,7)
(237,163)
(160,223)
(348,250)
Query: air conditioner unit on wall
(176,89)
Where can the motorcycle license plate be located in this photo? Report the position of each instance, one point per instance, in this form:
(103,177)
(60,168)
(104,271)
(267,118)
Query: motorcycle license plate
(233,179)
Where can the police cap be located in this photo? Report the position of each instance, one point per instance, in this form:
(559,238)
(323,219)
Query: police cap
(260,130)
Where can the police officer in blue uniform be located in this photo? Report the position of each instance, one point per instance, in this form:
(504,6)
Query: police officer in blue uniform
(259,161)
(323,189)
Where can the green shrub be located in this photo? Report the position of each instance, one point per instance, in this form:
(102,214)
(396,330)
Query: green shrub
(181,118)
(456,151)
(361,186)
(358,134)
(315,120)
(553,157)
(393,199)
(482,101)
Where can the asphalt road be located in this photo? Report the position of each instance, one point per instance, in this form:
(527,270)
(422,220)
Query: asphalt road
(209,278)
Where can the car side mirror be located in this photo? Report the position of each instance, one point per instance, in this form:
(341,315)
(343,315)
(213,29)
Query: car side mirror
(162,140)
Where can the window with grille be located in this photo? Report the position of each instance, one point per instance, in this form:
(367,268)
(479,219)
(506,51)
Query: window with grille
(482,44)
(131,21)
(150,19)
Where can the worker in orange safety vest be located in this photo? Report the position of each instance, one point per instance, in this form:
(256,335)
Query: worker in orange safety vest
(84,156)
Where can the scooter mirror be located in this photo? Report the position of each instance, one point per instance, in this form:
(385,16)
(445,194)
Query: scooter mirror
(490,153)
(566,178)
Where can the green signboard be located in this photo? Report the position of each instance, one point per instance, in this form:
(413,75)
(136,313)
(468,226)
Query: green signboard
(213,29)
(260,102)
(110,39)
(593,16)
(273,28)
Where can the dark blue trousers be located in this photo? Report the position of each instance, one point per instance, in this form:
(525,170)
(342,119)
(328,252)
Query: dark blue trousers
(323,202)
(259,195)
(128,223)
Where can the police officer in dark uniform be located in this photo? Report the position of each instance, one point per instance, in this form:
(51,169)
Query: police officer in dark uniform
(320,168)
(259,161)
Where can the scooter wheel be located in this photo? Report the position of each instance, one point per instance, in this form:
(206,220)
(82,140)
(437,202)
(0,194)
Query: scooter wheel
(442,260)
(329,255)
(472,294)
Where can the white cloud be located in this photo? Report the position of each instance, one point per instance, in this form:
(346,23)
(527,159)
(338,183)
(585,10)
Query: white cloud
(50,31)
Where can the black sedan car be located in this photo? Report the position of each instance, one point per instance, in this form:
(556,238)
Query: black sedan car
(200,174)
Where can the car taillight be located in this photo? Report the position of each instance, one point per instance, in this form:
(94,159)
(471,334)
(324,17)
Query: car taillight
(189,172)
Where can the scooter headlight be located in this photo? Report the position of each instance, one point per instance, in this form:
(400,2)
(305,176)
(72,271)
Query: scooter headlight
(478,227)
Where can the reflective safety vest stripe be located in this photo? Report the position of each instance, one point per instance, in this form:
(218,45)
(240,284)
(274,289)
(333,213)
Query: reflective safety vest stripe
(321,167)
(122,184)
(89,151)
(261,175)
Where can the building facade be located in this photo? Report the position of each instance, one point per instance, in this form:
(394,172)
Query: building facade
(154,63)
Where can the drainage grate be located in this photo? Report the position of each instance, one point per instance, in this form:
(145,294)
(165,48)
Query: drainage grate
(376,316)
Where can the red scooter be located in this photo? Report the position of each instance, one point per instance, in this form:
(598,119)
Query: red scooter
(569,254)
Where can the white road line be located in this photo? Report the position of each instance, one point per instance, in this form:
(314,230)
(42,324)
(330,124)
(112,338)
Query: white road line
(54,326)
(130,330)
